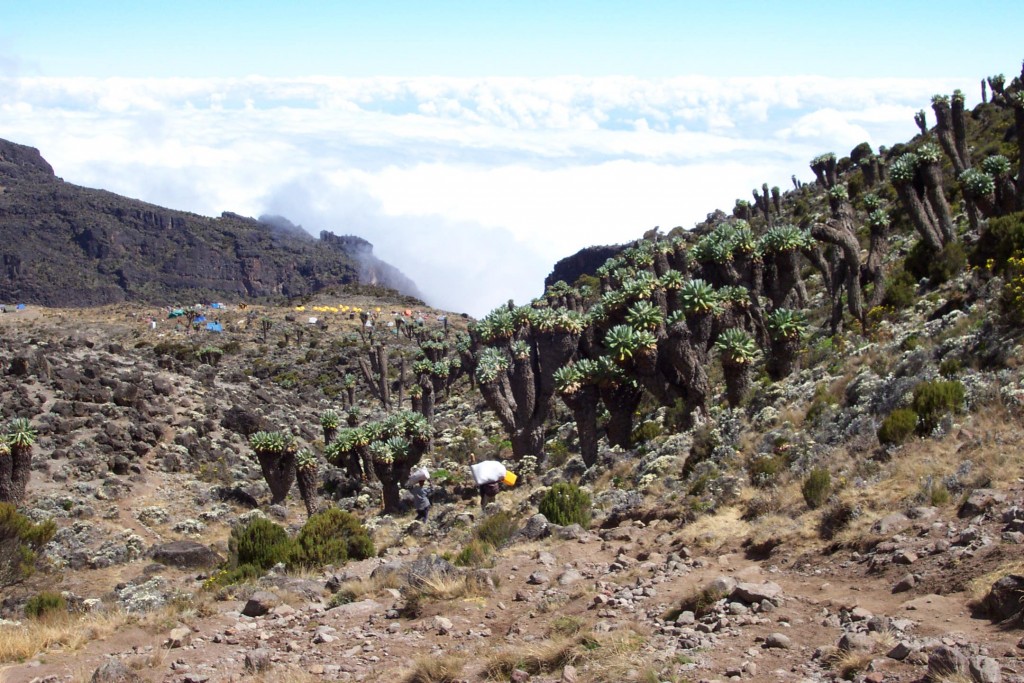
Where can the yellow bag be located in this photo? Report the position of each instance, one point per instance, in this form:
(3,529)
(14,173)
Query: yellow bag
(510,479)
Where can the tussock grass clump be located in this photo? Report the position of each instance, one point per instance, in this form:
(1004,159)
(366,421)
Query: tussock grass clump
(933,400)
(497,529)
(432,669)
(70,632)
(45,605)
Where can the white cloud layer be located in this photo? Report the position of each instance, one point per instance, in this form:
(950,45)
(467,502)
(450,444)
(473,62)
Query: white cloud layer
(473,187)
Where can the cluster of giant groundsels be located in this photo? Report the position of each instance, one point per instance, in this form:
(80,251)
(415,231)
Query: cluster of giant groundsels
(652,321)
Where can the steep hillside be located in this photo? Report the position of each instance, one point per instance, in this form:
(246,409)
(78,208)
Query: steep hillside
(64,245)
(780,446)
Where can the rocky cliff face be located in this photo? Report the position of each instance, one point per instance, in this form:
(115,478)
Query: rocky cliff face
(583,262)
(64,245)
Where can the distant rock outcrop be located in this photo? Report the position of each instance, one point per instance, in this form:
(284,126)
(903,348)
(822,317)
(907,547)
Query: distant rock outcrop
(65,245)
(583,262)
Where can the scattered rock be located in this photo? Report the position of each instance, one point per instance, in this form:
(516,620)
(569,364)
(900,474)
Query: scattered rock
(260,603)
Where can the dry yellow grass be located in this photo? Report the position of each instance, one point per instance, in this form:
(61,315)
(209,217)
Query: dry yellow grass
(68,632)
(433,669)
(714,531)
(604,659)
(978,588)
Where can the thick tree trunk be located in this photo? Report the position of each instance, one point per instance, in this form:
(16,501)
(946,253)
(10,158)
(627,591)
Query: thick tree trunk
(583,405)
(737,382)
(6,488)
(279,473)
(782,358)
(932,173)
(622,401)
(307,478)
(919,216)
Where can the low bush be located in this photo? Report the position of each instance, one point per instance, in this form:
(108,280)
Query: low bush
(474,553)
(817,487)
(939,267)
(566,504)
(900,291)
(45,604)
(260,544)
(897,427)
(20,542)
(765,469)
(1001,239)
(497,529)
(933,400)
(331,537)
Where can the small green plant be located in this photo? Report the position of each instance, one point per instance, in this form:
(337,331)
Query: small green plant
(46,604)
(331,537)
(765,469)
(20,541)
(260,544)
(900,291)
(497,529)
(474,553)
(933,400)
(566,626)
(816,487)
(566,504)
(950,367)
(897,427)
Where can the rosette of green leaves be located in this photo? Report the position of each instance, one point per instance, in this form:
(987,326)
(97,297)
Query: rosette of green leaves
(568,379)
(671,281)
(823,158)
(930,153)
(305,460)
(996,166)
(734,295)
(560,321)
(878,219)
(641,286)
(644,315)
(19,433)
(977,183)
(520,350)
(622,341)
(838,193)
(871,201)
(697,297)
(496,326)
(329,419)
(492,363)
(785,323)
(783,238)
(904,168)
(737,347)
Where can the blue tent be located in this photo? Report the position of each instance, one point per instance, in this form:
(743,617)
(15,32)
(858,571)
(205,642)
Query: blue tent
(200,319)
(214,327)
(216,305)
(20,307)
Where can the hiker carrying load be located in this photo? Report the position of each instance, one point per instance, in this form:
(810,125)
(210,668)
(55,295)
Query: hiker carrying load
(417,486)
(488,477)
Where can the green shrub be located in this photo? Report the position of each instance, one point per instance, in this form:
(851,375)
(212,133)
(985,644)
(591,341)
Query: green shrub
(950,367)
(45,604)
(646,431)
(938,267)
(497,529)
(817,487)
(900,291)
(331,537)
(933,400)
(897,427)
(566,504)
(261,544)
(474,553)
(1003,238)
(764,469)
(20,542)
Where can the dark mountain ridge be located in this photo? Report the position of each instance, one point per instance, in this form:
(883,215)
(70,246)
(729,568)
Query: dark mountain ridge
(66,245)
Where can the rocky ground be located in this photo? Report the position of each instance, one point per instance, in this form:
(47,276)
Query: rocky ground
(141,465)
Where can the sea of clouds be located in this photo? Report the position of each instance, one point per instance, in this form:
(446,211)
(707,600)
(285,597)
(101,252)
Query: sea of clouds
(472,187)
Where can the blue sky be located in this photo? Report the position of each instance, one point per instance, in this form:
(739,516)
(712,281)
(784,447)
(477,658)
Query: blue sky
(475,143)
(909,38)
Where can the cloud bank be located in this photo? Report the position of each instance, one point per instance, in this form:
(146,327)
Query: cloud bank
(473,187)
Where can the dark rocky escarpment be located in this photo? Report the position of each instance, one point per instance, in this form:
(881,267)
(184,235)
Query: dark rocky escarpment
(583,262)
(65,245)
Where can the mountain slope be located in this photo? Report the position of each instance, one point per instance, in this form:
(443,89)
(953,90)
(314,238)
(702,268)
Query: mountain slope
(65,245)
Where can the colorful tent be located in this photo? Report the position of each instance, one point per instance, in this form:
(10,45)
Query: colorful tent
(176,313)
(214,327)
